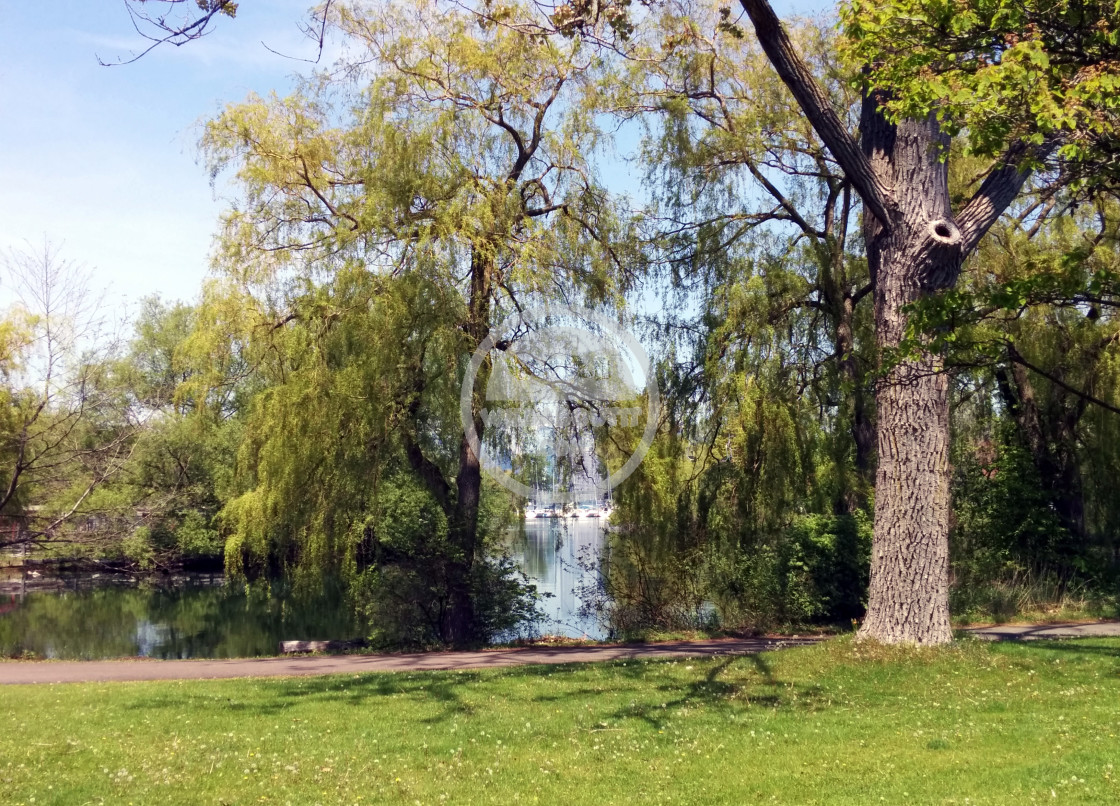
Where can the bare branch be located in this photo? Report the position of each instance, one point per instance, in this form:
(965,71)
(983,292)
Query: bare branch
(320,21)
(165,28)
(877,196)
(159,29)
(997,191)
(1015,356)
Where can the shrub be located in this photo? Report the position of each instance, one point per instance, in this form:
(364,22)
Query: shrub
(401,593)
(813,571)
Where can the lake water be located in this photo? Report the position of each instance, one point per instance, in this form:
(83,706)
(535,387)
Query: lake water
(95,618)
(554,554)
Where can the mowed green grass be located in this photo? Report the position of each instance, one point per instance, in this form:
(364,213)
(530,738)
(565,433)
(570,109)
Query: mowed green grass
(834,723)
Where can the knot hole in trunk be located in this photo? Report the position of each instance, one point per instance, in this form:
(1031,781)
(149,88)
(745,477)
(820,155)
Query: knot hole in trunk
(939,256)
(945,231)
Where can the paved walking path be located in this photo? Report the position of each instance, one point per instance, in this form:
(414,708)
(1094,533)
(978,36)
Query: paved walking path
(141,669)
(1037,632)
(144,669)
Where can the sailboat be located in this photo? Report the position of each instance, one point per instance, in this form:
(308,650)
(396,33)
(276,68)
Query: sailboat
(608,505)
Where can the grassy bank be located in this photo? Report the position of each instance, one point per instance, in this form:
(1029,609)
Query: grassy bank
(837,723)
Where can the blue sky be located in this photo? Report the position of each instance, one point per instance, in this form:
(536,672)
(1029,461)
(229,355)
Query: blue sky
(103,160)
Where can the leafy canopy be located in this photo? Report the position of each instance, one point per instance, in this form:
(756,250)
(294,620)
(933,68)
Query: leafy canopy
(1036,72)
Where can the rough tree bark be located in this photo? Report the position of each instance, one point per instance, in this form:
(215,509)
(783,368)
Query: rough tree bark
(915,246)
(921,251)
(459,624)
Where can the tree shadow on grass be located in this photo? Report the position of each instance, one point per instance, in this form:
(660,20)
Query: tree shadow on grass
(444,689)
(273,696)
(761,689)
(753,687)
(737,682)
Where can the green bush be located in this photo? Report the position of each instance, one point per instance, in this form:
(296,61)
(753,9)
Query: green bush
(138,547)
(195,537)
(834,553)
(402,591)
(404,604)
(1004,525)
(813,571)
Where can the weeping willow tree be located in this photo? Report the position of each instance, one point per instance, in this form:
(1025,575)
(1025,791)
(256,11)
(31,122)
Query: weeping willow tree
(757,218)
(393,210)
(757,226)
(1029,87)
(768,443)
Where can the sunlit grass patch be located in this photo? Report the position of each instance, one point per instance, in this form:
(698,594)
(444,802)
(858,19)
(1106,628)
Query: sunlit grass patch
(841,722)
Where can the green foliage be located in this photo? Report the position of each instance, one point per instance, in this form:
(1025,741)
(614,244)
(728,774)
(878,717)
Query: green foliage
(16,337)
(306,413)
(157,363)
(448,136)
(1031,335)
(196,537)
(390,213)
(756,236)
(1032,331)
(325,486)
(138,548)
(1033,598)
(319,438)
(162,503)
(66,423)
(1057,264)
(1001,71)
(402,593)
(814,571)
(1004,524)
(833,553)
(731,519)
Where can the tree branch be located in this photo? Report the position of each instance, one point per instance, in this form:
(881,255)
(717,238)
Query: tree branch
(1015,356)
(877,197)
(425,468)
(996,192)
(169,32)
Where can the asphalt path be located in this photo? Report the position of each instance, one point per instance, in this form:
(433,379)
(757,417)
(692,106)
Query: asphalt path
(133,669)
(1046,632)
(144,669)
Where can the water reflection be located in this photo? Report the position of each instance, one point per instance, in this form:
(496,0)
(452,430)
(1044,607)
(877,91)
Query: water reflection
(187,620)
(85,617)
(550,551)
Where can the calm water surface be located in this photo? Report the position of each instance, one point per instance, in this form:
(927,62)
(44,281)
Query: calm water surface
(550,552)
(89,618)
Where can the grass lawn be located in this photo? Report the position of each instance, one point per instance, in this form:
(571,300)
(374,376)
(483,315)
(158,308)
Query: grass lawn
(835,723)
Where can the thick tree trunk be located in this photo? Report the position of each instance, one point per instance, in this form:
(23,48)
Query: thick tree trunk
(909,595)
(460,623)
(914,247)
